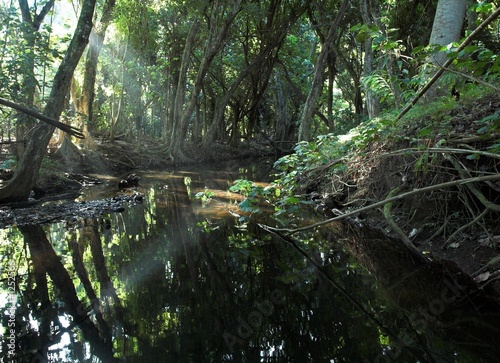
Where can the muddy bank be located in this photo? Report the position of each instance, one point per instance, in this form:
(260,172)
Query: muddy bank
(64,208)
(456,223)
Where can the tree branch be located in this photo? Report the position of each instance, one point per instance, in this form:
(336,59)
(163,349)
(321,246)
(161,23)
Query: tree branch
(70,130)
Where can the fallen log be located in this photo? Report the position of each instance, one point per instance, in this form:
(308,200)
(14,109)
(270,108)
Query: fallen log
(70,130)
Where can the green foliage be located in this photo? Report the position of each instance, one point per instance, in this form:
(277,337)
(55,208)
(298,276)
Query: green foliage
(206,196)
(391,81)
(27,54)
(325,155)
(253,193)
(399,73)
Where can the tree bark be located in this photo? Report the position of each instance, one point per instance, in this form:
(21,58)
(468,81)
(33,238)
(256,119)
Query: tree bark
(180,93)
(29,81)
(257,62)
(369,10)
(19,187)
(446,29)
(96,41)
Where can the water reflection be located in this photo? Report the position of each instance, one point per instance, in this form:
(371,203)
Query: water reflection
(171,280)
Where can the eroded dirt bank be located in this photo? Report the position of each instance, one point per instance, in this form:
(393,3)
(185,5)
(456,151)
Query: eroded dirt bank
(459,222)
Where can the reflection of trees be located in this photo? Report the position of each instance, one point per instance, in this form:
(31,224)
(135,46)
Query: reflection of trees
(169,290)
(45,258)
(82,274)
(166,289)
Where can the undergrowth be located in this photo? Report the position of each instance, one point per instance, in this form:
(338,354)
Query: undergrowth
(342,159)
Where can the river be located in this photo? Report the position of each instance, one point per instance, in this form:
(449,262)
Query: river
(173,279)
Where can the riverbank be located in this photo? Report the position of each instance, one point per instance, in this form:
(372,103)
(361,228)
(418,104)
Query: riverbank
(423,166)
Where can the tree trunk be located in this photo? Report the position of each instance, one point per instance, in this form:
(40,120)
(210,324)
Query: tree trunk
(19,187)
(257,63)
(214,44)
(369,10)
(25,122)
(319,76)
(180,90)
(96,40)
(446,29)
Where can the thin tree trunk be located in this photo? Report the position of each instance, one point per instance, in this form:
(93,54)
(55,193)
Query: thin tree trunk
(215,43)
(180,91)
(218,118)
(368,11)
(25,122)
(96,41)
(319,77)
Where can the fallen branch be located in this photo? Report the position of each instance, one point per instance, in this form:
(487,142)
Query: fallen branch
(70,130)
(463,172)
(473,79)
(464,227)
(388,200)
(441,150)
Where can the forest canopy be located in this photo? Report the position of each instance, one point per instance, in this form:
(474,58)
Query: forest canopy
(187,75)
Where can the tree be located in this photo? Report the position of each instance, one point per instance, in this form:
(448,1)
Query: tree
(218,32)
(369,10)
(88,89)
(31,26)
(446,29)
(19,187)
(317,85)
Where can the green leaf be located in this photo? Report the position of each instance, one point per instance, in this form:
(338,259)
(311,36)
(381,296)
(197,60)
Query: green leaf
(291,200)
(472,157)
(245,205)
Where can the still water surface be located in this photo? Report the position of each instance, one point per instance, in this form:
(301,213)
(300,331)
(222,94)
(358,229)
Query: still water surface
(175,280)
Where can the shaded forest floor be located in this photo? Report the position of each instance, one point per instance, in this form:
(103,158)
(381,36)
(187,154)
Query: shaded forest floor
(458,223)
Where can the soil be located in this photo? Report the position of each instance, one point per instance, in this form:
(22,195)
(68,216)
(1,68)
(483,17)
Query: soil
(457,224)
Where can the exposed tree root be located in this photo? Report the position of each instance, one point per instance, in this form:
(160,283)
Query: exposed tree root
(389,200)
(464,173)
(465,227)
(390,219)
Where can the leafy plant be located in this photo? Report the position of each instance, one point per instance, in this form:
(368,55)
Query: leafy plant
(206,197)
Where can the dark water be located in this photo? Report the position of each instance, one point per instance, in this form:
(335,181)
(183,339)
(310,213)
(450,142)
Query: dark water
(172,280)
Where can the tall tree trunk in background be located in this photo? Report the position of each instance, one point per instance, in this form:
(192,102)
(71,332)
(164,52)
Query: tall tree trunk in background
(369,10)
(319,76)
(446,29)
(180,89)
(96,40)
(19,187)
(33,22)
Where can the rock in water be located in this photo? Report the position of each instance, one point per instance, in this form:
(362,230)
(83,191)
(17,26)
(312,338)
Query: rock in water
(130,181)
